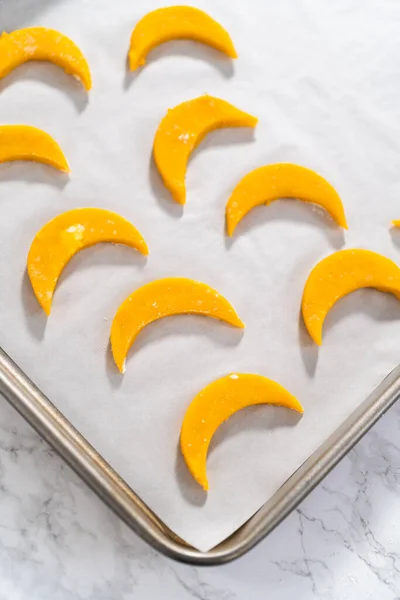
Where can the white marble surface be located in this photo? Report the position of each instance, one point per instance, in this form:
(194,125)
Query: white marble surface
(58,541)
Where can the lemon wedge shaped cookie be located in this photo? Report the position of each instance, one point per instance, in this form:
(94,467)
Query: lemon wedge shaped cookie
(176,23)
(282,180)
(162,298)
(340,274)
(65,235)
(215,404)
(23,142)
(183,128)
(40,43)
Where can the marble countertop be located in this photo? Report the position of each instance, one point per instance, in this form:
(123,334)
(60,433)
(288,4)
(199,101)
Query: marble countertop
(59,542)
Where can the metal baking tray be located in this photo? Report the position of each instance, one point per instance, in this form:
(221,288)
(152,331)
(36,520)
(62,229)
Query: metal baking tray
(49,422)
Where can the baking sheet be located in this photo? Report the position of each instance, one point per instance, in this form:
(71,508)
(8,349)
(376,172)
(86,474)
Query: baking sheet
(324,80)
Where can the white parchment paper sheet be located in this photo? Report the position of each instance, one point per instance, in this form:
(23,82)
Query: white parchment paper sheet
(324,80)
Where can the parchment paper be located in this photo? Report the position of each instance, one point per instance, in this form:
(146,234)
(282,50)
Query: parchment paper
(324,80)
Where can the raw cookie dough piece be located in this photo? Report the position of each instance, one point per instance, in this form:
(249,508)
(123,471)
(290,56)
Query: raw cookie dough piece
(162,298)
(183,128)
(282,180)
(215,404)
(65,235)
(176,23)
(340,274)
(40,43)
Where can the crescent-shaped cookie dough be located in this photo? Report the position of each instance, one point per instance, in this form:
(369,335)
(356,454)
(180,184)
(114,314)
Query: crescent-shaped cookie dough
(183,128)
(215,404)
(176,23)
(65,235)
(282,180)
(340,274)
(162,298)
(40,43)
(23,142)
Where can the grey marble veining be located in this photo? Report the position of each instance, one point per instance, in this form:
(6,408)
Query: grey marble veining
(58,541)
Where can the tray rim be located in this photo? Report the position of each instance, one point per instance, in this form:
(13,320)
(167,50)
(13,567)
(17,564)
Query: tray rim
(75,450)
